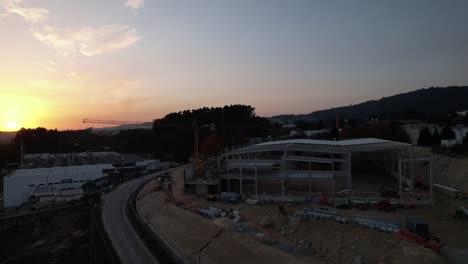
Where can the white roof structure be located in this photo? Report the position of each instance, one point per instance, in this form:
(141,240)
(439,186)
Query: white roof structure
(53,171)
(19,184)
(329,146)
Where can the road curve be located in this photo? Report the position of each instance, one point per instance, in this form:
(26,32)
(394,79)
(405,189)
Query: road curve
(128,245)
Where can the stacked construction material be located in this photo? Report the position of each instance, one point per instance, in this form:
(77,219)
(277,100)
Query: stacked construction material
(211,212)
(317,214)
(230,197)
(377,224)
(367,222)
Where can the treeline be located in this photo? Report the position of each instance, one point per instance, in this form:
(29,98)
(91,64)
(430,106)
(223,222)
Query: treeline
(426,138)
(217,126)
(172,137)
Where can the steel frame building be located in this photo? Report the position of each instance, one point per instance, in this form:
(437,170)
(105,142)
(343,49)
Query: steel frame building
(297,160)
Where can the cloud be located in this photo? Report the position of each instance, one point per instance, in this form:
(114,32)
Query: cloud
(88,41)
(30,14)
(50,66)
(133,101)
(134,4)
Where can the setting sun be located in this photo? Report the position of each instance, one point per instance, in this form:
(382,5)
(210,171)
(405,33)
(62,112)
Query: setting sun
(11,125)
(20,111)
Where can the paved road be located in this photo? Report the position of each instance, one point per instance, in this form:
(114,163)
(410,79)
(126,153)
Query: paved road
(125,240)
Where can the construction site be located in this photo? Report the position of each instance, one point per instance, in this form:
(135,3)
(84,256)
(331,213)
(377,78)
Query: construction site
(312,201)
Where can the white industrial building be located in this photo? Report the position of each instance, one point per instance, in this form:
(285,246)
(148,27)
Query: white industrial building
(20,184)
(44,176)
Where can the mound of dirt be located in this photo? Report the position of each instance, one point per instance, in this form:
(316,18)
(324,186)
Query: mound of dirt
(223,221)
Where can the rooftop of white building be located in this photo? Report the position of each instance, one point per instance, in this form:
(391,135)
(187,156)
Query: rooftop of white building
(60,170)
(350,145)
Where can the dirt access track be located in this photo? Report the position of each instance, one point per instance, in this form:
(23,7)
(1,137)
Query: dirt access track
(201,240)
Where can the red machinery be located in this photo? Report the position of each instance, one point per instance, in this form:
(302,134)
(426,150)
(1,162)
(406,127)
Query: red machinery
(324,201)
(423,241)
(385,205)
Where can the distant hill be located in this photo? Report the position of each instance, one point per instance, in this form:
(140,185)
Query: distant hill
(5,137)
(423,101)
(116,129)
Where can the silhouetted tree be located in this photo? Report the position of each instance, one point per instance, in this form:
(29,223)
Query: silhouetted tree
(334,133)
(447,133)
(465,119)
(309,125)
(425,137)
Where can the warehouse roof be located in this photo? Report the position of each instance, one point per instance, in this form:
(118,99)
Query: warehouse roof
(60,170)
(47,160)
(331,146)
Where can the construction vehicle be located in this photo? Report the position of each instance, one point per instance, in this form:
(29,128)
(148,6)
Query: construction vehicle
(384,205)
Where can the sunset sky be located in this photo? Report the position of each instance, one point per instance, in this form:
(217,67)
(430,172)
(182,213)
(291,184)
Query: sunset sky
(64,60)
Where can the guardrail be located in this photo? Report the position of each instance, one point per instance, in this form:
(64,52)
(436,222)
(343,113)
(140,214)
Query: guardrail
(96,222)
(160,248)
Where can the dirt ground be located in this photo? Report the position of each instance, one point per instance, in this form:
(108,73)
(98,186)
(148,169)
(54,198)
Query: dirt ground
(448,171)
(63,238)
(298,241)
(189,232)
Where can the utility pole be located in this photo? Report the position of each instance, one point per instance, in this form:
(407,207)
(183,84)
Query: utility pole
(22,153)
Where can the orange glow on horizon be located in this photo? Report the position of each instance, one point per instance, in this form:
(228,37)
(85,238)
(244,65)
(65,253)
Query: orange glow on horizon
(19,111)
